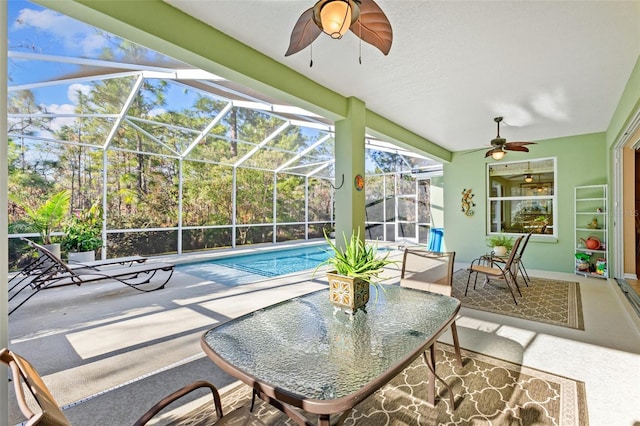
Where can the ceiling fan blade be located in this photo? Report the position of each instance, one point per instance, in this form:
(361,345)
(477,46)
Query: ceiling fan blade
(471,151)
(304,32)
(519,143)
(516,148)
(373,26)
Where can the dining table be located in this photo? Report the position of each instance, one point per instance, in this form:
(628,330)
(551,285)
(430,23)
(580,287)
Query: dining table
(304,354)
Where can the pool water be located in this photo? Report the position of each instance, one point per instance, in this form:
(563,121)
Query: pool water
(249,268)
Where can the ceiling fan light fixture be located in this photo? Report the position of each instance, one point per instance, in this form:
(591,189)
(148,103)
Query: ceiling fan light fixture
(335,17)
(528,178)
(498,155)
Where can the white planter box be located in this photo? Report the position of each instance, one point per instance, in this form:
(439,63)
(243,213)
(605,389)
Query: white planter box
(53,248)
(500,250)
(82,256)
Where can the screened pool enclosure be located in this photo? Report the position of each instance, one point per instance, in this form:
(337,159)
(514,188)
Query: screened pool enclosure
(181,160)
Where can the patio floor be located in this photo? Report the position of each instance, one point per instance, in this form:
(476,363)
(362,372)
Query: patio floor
(108,352)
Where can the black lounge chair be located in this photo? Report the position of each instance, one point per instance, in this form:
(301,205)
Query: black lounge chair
(42,263)
(49,271)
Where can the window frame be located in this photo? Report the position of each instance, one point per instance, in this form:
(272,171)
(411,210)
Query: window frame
(499,199)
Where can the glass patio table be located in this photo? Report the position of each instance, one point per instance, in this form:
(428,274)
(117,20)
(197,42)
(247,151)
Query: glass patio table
(306,353)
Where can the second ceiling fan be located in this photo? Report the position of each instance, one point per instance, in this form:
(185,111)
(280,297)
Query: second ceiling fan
(500,146)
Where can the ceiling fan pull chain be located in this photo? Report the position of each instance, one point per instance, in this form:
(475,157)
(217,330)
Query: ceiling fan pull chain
(311,60)
(360,43)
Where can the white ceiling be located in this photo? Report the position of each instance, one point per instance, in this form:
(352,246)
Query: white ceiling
(551,68)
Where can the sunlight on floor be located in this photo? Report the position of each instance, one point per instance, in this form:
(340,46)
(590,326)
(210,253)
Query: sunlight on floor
(122,334)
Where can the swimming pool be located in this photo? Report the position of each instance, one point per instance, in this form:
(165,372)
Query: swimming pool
(247,268)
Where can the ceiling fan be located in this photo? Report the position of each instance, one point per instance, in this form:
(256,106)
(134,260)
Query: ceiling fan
(500,146)
(335,17)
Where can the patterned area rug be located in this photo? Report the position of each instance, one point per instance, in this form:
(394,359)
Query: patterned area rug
(487,391)
(545,300)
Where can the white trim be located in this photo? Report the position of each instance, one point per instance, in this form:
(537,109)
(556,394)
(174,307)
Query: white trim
(618,231)
(499,198)
(618,179)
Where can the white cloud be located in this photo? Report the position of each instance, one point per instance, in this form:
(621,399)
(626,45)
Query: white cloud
(156,112)
(73,34)
(57,123)
(72,91)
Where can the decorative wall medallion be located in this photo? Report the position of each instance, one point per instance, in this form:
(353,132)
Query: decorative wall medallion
(467,202)
(358,182)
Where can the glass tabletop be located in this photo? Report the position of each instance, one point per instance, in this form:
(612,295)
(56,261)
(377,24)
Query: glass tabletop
(308,348)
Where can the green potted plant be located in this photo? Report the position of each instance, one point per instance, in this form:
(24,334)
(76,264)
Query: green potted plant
(352,270)
(501,244)
(44,219)
(82,234)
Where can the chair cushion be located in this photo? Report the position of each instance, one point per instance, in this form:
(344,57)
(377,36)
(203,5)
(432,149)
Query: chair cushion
(487,270)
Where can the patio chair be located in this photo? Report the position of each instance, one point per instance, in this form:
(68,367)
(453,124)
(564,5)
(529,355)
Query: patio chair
(518,260)
(430,271)
(493,270)
(53,272)
(49,413)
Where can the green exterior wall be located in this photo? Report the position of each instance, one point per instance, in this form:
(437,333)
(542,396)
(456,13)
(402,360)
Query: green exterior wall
(349,154)
(580,160)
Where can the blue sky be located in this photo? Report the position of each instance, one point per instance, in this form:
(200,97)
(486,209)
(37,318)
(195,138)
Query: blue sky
(34,29)
(31,28)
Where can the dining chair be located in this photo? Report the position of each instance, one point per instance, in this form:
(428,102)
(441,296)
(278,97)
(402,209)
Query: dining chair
(430,271)
(49,413)
(493,270)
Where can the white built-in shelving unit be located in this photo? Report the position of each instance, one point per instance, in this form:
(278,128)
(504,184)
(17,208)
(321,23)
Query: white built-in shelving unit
(591,224)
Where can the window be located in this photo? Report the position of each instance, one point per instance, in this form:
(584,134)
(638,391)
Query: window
(522,197)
